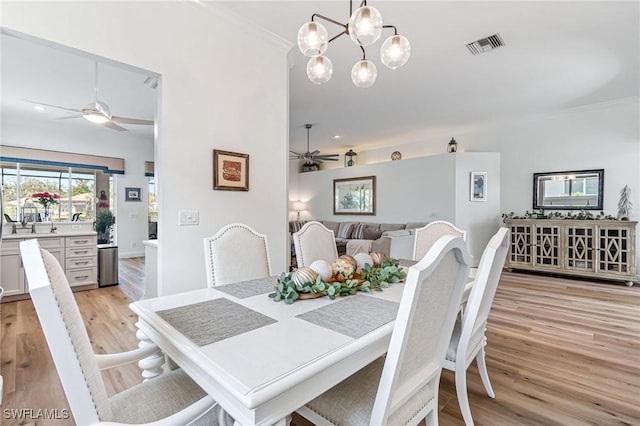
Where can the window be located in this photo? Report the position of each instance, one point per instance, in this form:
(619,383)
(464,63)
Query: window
(75,188)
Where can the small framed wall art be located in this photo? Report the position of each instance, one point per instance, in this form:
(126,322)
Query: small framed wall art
(230,171)
(478,186)
(354,196)
(132,194)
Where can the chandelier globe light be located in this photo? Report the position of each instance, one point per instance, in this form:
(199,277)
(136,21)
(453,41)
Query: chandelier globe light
(364,73)
(319,69)
(365,27)
(395,51)
(313,39)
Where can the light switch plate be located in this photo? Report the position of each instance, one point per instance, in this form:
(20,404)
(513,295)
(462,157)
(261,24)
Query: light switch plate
(188,217)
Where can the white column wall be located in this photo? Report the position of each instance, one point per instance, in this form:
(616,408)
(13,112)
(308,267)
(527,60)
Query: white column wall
(211,96)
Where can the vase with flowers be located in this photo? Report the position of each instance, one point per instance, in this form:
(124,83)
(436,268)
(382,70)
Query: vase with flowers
(46,200)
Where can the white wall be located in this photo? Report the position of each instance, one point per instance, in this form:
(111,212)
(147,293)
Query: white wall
(419,189)
(211,96)
(594,137)
(131,218)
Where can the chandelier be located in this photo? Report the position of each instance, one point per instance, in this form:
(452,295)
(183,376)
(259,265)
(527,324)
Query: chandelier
(364,28)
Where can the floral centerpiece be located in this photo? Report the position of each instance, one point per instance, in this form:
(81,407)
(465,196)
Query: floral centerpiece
(46,199)
(344,277)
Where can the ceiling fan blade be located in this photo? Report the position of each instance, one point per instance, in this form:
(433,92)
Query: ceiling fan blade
(325,158)
(318,160)
(70,116)
(54,106)
(125,120)
(114,126)
(314,153)
(328,155)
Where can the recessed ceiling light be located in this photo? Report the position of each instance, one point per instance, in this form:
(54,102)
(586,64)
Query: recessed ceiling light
(337,136)
(38,108)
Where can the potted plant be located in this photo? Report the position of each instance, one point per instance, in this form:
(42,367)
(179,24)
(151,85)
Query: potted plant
(103,223)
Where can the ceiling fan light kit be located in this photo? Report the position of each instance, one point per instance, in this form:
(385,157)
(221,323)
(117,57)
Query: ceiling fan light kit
(365,27)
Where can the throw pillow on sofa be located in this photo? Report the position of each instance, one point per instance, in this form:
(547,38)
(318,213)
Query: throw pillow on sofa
(358,231)
(344,231)
(371,233)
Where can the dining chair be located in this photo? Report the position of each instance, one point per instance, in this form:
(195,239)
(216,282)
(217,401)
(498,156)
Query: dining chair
(172,398)
(426,236)
(402,388)
(236,253)
(314,242)
(469,340)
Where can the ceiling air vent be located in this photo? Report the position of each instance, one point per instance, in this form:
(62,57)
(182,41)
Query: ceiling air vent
(485,44)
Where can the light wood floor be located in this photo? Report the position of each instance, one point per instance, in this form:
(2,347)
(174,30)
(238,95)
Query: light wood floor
(560,352)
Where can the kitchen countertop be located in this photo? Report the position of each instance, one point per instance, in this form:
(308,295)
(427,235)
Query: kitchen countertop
(27,234)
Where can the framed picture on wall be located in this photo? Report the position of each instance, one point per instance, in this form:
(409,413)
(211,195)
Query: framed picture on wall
(132,194)
(355,196)
(478,186)
(230,171)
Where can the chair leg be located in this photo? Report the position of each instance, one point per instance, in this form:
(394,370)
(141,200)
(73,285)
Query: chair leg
(461,391)
(484,374)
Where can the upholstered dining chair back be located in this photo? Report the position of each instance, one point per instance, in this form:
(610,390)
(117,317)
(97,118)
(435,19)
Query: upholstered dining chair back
(66,335)
(236,253)
(404,390)
(468,340)
(426,236)
(314,242)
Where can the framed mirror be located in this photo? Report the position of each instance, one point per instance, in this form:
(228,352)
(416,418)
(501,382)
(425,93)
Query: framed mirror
(572,190)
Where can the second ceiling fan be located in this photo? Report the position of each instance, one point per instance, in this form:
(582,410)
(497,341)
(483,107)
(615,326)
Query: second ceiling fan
(312,157)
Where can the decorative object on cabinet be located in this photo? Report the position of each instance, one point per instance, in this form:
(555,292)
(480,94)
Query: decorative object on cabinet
(603,249)
(230,171)
(624,204)
(478,186)
(354,196)
(132,194)
(396,155)
(365,28)
(350,158)
(571,190)
(453,146)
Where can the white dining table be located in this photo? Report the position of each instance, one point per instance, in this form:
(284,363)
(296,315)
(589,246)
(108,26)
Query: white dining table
(292,354)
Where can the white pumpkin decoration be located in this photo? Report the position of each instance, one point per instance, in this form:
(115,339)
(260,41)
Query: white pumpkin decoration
(322,268)
(304,275)
(363,259)
(377,257)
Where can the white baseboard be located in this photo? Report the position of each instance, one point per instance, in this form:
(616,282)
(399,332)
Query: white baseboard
(130,254)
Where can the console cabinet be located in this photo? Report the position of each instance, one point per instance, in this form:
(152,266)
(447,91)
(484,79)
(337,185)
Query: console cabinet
(603,249)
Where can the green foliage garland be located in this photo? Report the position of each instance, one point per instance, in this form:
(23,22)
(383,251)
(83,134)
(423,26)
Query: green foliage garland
(372,278)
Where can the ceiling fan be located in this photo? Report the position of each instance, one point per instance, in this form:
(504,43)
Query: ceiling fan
(98,112)
(312,157)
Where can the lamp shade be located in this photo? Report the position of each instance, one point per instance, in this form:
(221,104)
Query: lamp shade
(364,73)
(313,39)
(395,51)
(319,69)
(365,26)
(299,206)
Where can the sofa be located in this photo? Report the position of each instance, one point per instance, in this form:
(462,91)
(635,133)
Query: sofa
(393,239)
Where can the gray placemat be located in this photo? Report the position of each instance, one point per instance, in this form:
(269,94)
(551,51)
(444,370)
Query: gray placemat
(353,316)
(250,288)
(214,320)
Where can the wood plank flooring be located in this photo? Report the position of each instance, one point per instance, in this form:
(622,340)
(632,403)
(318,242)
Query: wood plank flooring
(560,352)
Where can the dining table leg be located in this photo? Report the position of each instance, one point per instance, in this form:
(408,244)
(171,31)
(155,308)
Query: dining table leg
(151,366)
